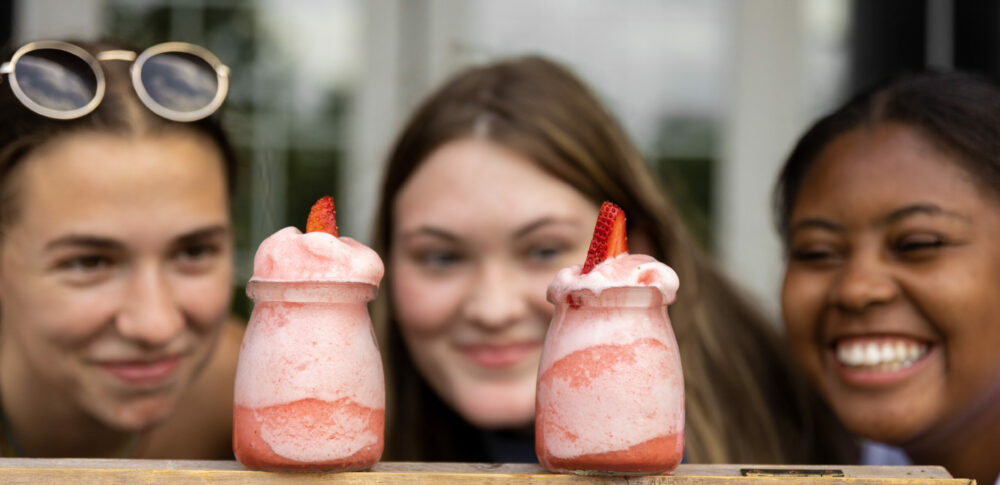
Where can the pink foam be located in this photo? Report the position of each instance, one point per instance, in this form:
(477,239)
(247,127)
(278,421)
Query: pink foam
(624,270)
(290,255)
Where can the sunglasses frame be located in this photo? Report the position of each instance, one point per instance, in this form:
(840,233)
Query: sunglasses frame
(15,86)
(138,61)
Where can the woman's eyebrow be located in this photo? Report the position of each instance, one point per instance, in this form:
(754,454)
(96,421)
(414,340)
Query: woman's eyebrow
(893,217)
(427,231)
(82,240)
(542,222)
(922,208)
(815,223)
(204,233)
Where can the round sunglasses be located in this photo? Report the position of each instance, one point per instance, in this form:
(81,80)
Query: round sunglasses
(175,80)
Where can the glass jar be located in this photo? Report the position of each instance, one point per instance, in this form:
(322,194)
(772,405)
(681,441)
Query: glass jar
(610,397)
(310,392)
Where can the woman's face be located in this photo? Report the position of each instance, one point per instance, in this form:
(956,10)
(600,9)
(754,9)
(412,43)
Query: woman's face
(115,277)
(890,295)
(479,232)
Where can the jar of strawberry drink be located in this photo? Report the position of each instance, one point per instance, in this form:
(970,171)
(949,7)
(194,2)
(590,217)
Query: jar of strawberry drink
(610,396)
(310,393)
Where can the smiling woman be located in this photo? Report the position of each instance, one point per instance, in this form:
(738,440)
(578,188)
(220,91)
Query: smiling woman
(890,209)
(491,188)
(471,267)
(115,269)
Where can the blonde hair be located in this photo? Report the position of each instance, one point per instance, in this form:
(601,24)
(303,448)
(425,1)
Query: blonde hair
(744,401)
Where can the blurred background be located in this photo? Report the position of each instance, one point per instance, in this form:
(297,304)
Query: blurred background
(714,92)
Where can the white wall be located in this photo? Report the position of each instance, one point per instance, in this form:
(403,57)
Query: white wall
(34,19)
(789,68)
(763,120)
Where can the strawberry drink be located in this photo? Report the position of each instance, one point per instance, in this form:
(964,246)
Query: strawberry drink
(310,394)
(610,394)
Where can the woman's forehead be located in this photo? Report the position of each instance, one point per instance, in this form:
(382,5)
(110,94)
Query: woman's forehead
(86,180)
(478,180)
(881,169)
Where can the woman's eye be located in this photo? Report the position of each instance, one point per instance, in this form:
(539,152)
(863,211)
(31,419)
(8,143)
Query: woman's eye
(813,254)
(439,260)
(86,269)
(545,253)
(196,252)
(913,245)
(196,258)
(87,263)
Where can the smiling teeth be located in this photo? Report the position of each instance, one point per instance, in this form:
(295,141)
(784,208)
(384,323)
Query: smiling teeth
(888,355)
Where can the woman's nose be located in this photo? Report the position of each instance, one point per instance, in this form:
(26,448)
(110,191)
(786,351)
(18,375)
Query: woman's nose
(150,314)
(864,281)
(496,298)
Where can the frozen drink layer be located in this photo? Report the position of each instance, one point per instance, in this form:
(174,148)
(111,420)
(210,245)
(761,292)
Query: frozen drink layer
(610,390)
(310,393)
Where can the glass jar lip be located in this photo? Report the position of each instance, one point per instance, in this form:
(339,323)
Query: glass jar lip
(305,291)
(311,282)
(614,296)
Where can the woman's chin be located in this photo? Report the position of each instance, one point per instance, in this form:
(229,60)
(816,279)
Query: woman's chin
(141,416)
(499,413)
(497,422)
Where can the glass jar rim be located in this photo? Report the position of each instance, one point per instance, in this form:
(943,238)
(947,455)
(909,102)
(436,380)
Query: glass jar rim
(311,291)
(616,296)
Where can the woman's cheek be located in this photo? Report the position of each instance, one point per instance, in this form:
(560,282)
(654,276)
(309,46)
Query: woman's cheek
(538,295)
(797,298)
(206,299)
(71,317)
(803,300)
(422,303)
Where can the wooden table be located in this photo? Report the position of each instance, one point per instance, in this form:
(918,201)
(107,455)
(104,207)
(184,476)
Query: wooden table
(92,471)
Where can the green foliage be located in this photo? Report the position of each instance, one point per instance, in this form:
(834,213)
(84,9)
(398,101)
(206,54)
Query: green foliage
(684,163)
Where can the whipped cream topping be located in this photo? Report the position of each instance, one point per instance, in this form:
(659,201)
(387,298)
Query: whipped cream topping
(290,255)
(624,270)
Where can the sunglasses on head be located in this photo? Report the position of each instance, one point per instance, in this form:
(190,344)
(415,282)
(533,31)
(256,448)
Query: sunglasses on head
(175,80)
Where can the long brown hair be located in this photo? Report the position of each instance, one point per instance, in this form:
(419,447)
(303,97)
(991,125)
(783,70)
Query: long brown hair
(744,402)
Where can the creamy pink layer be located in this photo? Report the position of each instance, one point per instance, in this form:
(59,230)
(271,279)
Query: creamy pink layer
(295,351)
(290,255)
(309,434)
(575,329)
(624,270)
(610,398)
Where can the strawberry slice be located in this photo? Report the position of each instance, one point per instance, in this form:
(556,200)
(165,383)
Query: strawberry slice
(609,236)
(323,217)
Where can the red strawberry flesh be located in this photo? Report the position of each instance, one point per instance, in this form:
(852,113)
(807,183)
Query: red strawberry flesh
(609,236)
(323,217)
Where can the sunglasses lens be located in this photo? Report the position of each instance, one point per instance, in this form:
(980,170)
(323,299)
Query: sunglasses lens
(179,81)
(56,79)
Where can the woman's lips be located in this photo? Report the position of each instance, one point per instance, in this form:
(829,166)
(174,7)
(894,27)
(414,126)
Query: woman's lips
(500,356)
(143,373)
(875,362)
